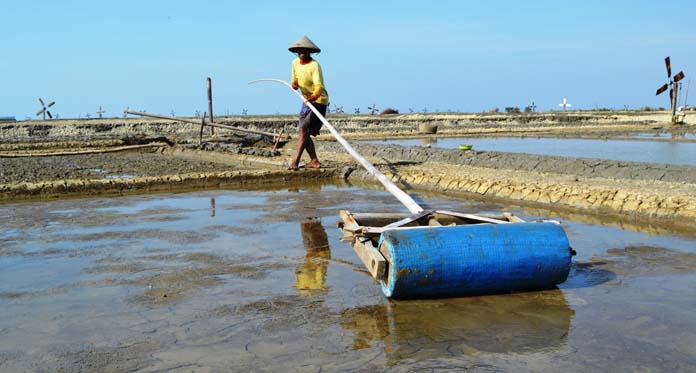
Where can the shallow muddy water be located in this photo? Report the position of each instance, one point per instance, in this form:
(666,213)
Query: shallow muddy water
(666,135)
(669,152)
(259,280)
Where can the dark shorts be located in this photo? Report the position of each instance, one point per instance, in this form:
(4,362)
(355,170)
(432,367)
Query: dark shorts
(311,121)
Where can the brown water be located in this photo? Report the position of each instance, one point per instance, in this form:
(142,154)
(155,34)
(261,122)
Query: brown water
(258,280)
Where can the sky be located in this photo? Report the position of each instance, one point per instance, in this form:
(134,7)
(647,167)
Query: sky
(466,56)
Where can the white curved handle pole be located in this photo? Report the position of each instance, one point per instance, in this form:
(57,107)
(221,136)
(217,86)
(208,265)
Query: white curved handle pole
(404,198)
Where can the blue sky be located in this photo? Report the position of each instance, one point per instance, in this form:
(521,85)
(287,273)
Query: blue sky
(440,55)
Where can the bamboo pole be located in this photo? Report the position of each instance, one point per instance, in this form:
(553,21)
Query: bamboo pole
(404,198)
(185,120)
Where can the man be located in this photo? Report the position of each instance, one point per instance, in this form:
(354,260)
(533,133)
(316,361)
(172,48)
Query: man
(307,76)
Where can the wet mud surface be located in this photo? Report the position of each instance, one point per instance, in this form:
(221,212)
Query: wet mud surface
(100,166)
(259,280)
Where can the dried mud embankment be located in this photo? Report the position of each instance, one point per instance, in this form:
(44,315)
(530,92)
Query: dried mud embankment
(167,169)
(621,189)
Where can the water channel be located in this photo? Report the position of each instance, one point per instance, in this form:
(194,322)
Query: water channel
(259,280)
(669,152)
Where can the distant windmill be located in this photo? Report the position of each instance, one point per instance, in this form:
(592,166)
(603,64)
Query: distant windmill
(373,109)
(410,110)
(173,113)
(673,85)
(533,106)
(44,109)
(564,104)
(357,110)
(100,111)
(338,109)
(244,111)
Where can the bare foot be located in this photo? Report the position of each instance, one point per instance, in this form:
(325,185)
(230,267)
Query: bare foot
(313,164)
(293,167)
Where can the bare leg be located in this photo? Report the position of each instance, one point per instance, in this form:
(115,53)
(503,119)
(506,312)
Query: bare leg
(301,146)
(314,162)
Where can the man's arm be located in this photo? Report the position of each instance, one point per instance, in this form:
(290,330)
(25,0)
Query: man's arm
(293,79)
(318,79)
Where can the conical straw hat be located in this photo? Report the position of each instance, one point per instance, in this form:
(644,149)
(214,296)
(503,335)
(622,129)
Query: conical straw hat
(304,43)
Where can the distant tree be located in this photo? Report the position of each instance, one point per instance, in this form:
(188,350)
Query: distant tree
(389,111)
(512,109)
(494,110)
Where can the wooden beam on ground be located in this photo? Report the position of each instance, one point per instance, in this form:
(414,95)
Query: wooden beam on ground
(186,120)
(90,151)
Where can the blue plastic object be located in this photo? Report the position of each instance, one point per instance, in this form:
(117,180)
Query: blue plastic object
(474,259)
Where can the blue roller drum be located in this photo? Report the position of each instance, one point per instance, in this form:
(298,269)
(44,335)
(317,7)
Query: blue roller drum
(474,259)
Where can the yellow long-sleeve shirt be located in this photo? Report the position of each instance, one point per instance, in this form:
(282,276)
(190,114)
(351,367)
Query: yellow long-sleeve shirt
(310,80)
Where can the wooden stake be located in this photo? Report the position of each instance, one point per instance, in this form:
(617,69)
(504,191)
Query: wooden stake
(209,85)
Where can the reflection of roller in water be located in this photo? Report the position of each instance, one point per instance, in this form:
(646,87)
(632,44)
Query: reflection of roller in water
(511,323)
(311,274)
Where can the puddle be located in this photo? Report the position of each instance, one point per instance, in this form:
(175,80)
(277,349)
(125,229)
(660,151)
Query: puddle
(667,152)
(259,280)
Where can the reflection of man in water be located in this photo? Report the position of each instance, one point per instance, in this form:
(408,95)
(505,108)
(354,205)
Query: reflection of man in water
(311,274)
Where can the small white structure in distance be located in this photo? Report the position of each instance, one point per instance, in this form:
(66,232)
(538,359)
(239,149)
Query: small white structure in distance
(564,104)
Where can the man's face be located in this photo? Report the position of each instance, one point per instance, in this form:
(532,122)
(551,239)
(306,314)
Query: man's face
(303,54)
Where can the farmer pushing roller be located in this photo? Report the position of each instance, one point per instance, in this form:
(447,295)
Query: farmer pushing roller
(307,76)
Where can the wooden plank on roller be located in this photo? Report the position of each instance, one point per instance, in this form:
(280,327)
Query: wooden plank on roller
(349,223)
(512,218)
(473,217)
(373,260)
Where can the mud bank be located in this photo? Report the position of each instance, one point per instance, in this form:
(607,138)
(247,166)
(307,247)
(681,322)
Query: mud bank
(350,125)
(624,190)
(580,167)
(146,184)
(168,168)
(627,189)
